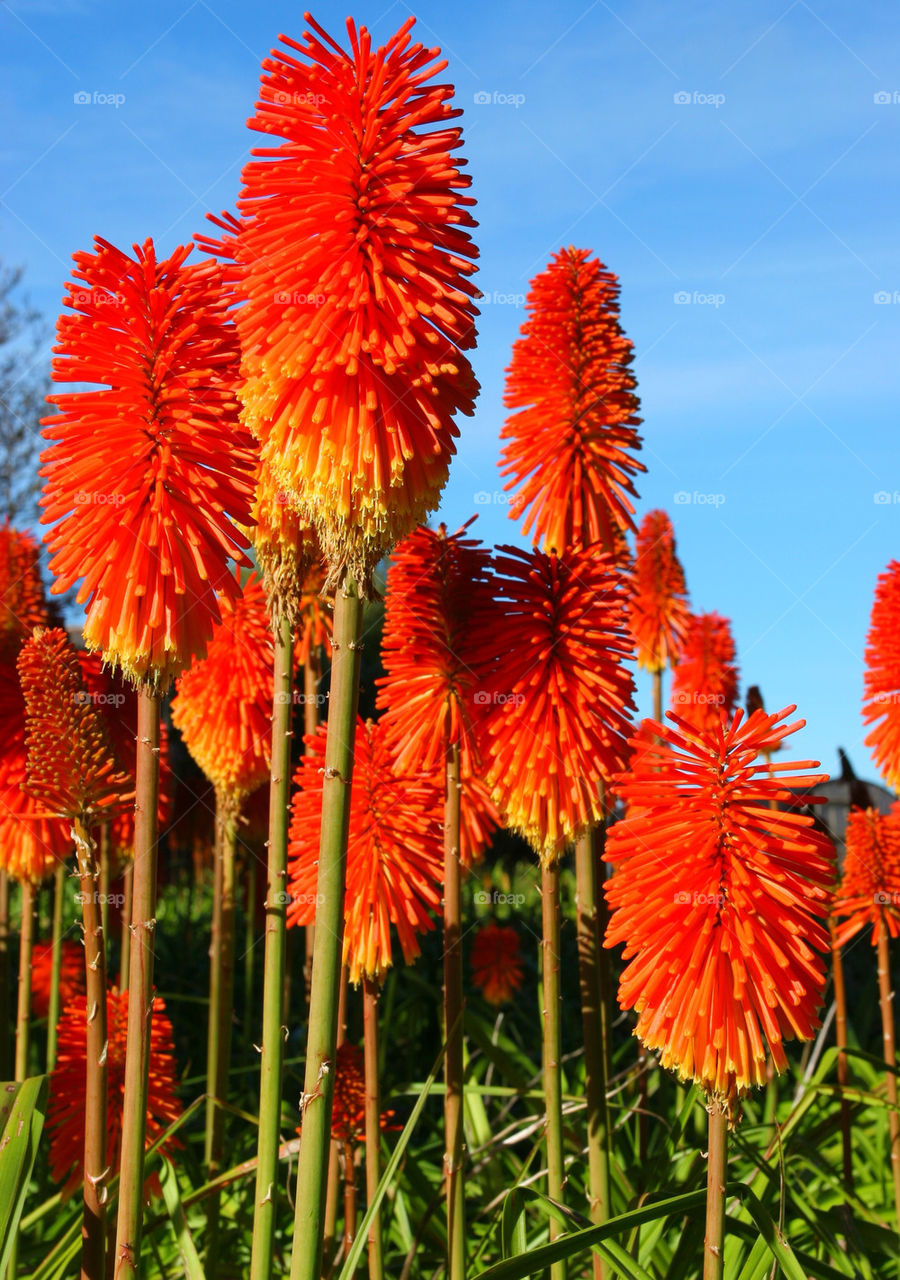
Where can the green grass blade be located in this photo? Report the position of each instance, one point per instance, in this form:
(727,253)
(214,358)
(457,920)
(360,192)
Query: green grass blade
(23,1110)
(187,1250)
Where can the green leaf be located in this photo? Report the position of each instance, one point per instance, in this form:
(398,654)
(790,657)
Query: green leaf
(187,1250)
(22,1113)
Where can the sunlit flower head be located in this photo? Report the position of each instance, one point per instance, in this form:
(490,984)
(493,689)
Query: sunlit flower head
(555,691)
(71,766)
(705,678)
(571,440)
(150,471)
(881,696)
(65,1117)
(496,962)
(869,891)
(720,900)
(223,703)
(315,618)
(394,855)
(23,604)
(355,267)
(659,615)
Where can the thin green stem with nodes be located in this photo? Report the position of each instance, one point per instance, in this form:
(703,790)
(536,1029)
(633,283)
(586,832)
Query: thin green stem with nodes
(272,1048)
(453,1026)
(886,996)
(59,889)
(716,1169)
(318,1089)
(373,1122)
(552,1047)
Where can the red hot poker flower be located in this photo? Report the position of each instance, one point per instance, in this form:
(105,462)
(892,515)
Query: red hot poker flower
(705,678)
(23,605)
(150,534)
(394,854)
(869,891)
(71,975)
(65,1119)
(881,697)
(71,766)
(555,692)
(496,962)
(223,702)
(720,900)
(429,650)
(659,613)
(354,265)
(571,440)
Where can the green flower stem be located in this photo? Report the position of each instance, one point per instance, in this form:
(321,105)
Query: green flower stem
(714,1242)
(59,889)
(373,1122)
(552,1055)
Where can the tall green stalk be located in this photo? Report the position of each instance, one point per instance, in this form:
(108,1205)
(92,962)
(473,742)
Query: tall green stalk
(590,958)
(26,952)
(886,996)
(93,1230)
(249,952)
(335,1154)
(5,1055)
(453,1028)
(59,889)
(221,1008)
(843,1068)
(552,1048)
(373,1122)
(129,1225)
(125,951)
(312,675)
(318,1089)
(714,1241)
(272,1055)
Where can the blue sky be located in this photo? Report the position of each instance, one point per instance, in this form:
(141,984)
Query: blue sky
(743,156)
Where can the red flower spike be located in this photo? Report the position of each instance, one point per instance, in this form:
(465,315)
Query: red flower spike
(659,614)
(223,702)
(32,841)
(71,975)
(555,691)
(65,1119)
(151,533)
(23,605)
(394,855)
(354,266)
(881,697)
(429,646)
(71,767)
(705,678)
(720,900)
(869,892)
(572,436)
(496,963)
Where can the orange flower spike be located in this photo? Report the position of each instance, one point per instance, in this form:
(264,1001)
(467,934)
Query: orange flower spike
(71,766)
(429,649)
(314,617)
(32,842)
(881,696)
(556,693)
(23,605)
(720,900)
(223,702)
(496,962)
(869,892)
(150,534)
(65,1121)
(659,613)
(705,678)
(571,437)
(394,855)
(355,272)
